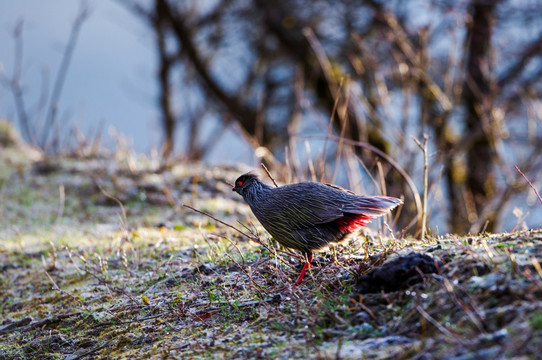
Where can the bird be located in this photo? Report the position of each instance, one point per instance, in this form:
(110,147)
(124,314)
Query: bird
(309,216)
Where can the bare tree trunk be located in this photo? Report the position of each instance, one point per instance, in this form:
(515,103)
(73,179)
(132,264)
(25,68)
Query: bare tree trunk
(168,118)
(478,94)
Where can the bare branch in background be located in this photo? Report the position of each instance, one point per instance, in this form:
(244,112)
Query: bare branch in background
(277,71)
(166,61)
(530,184)
(281,71)
(29,124)
(15,84)
(531,51)
(84,13)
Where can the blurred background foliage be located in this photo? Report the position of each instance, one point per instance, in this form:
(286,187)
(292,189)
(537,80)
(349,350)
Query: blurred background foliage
(374,73)
(326,89)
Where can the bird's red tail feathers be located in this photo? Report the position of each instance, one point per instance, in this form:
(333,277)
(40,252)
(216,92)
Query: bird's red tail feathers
(350,222)
(366,209)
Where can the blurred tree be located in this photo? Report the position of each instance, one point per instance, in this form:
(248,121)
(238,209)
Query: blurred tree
(478,95)
(35,131)
(382,71)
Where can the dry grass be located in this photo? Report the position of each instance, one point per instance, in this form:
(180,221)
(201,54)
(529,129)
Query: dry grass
(166,282)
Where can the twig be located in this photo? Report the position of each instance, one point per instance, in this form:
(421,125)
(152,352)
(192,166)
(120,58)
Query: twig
(529,182)
(124,218)
(329,132)
(234,245)
(423,148)
(68,250)
(469,308)
(343,118)
(381,178)
(61,201)
(253,231)
(537,266)
(435,323)
(323,60)
(3,188)
(107,323)
(15,84)
(269,174)
(91,351)
(309,160)
(16,324)
(57,288)
(53,256)
(170,199)
(275,298)
(334,88)
(253,238)
(365,308)
(400,37)
(108,284)
(256,285)
(61,77)
(48,321)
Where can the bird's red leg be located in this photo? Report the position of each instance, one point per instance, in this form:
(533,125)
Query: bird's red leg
(304,270)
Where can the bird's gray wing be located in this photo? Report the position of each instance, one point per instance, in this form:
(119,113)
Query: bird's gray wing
(307,205)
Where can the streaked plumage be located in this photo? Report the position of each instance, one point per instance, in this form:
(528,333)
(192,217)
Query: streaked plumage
(308,216)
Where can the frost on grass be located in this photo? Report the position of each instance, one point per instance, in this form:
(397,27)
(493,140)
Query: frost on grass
(82,278)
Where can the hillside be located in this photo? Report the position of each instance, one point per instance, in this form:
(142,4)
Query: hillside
(99,259)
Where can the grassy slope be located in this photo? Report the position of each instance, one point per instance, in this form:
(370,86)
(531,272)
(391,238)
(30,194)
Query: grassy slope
(78,279)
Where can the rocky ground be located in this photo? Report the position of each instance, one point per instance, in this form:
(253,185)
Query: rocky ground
(99,259)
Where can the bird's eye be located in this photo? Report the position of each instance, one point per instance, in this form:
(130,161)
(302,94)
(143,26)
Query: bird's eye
(239,183)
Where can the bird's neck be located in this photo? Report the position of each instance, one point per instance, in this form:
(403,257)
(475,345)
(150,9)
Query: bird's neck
(256,191)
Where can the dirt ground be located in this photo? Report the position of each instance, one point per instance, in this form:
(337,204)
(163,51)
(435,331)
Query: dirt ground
(100,260)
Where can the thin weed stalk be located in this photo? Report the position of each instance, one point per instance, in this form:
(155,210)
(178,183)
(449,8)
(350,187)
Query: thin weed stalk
(423,148)
(530,184)
(269,174)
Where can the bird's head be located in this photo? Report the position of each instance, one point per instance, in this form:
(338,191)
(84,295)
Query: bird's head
(244,182)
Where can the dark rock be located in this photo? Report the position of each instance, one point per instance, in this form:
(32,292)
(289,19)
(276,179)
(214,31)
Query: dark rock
(203,269)
(45,168)
(398,273)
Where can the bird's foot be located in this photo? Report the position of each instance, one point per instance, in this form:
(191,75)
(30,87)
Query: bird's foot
(304,270)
